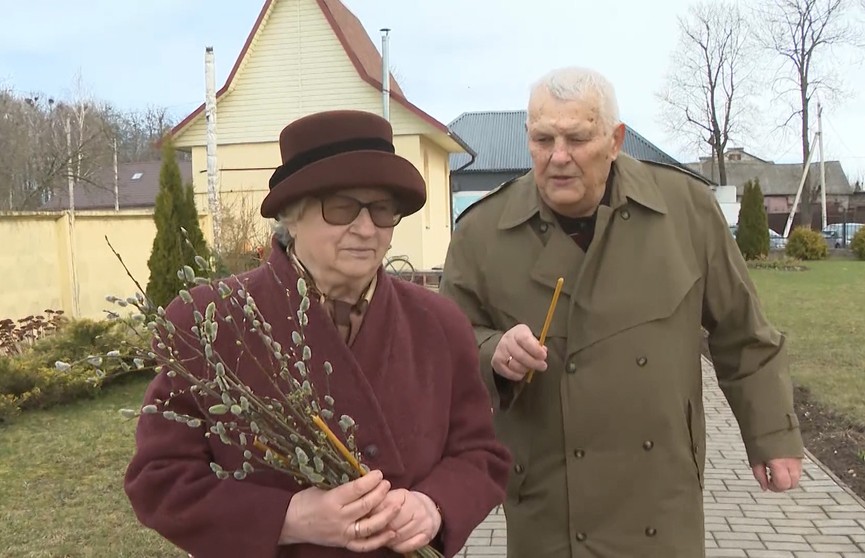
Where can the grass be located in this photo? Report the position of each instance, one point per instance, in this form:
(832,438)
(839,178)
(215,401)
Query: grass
(61,482)
(822,312)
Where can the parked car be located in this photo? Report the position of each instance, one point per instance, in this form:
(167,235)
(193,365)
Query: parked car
(776,241)
(839,235)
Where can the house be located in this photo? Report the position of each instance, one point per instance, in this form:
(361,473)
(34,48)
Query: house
(778,181)
(301,57)
(137,187)
(499,139)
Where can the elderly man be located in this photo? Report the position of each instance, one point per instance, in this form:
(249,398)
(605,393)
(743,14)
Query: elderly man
(608,433)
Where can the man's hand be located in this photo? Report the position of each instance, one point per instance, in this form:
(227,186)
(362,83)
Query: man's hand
(783,474)
(518,352)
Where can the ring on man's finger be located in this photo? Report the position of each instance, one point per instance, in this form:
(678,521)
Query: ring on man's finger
(356,530)
(508,362)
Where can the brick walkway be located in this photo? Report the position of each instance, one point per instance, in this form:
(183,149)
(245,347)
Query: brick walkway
(819,519)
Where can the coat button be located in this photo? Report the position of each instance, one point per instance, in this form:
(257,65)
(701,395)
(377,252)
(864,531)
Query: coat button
(642,361)
(581,537)
(370,450)
(544,227)
(651,532)
(625,214)
(572,367)
(648,444)
(518,469)
(579,454)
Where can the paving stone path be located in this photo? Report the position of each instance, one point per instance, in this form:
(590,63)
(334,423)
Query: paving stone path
(820,519)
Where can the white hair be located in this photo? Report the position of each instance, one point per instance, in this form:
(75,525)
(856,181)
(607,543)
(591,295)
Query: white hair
(574,83)
(287,218)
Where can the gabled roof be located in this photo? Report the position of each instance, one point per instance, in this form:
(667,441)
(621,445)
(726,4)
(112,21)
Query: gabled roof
(499,138)
(137,187)
(777,179)
(358,46)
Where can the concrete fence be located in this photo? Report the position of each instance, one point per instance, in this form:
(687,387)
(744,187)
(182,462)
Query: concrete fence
(48,260)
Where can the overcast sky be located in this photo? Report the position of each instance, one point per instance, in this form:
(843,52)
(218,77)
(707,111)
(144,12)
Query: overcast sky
(450,56)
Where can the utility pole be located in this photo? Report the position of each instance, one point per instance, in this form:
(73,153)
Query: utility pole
(822,163)
(385,74)
(212,168)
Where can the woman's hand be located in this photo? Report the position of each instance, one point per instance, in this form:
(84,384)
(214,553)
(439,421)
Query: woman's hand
(417,522)
(355,515)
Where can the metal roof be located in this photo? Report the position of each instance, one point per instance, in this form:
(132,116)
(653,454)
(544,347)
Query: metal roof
(499,139)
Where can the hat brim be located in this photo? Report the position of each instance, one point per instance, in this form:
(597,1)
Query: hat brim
(357,169)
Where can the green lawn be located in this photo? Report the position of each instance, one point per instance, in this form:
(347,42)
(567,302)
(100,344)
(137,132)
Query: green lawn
(61,475)
(822,312)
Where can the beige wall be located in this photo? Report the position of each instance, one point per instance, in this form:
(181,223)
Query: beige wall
(37,260)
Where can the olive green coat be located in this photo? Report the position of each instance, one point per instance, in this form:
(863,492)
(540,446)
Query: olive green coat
(609,442)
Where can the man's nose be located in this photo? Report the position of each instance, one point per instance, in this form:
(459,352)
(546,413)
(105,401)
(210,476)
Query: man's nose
(560,154)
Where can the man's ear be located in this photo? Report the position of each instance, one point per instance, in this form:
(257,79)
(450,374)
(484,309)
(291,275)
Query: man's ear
(618,140)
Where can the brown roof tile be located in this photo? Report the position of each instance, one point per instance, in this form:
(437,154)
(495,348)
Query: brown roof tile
(137,186)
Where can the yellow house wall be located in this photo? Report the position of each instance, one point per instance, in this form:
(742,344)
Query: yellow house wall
(39,268)
(296,66)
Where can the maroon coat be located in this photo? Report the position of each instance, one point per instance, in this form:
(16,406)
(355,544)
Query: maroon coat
(410,381)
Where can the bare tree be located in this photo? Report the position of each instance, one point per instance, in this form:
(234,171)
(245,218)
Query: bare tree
(46,142)
(803,34)
(705,100)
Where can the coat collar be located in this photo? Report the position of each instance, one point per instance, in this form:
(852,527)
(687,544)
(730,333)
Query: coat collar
(631,181)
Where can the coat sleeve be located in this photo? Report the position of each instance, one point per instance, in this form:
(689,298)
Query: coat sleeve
(173,490)
(470,480)
(462,282)
(749,355)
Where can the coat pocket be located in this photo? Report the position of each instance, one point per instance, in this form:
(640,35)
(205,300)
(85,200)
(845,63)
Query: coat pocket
(697,433)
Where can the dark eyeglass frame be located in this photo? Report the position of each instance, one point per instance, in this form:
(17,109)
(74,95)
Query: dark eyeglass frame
(360,206)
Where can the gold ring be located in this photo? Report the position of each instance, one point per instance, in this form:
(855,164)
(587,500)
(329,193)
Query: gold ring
(356,530)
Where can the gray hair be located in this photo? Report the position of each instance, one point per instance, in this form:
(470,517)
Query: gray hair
(287,218)
(573,83)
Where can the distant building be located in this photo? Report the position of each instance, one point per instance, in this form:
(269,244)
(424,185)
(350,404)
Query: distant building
(137,186)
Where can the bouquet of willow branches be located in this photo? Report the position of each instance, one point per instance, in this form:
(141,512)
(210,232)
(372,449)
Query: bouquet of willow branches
(288,432)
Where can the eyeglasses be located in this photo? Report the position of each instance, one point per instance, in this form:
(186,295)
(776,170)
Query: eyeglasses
(343,210)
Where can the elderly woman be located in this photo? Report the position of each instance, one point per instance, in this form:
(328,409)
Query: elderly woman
(407,368)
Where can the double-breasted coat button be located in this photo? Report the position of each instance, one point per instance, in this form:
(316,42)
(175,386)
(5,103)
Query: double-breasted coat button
(572,367)
(518,469)
(642,361)
(625,214)
(581,537)
(370,450)
(648,444)
(651,532)
(544,227)
(579,454)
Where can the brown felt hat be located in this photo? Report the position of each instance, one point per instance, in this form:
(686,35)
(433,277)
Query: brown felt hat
(341,149)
